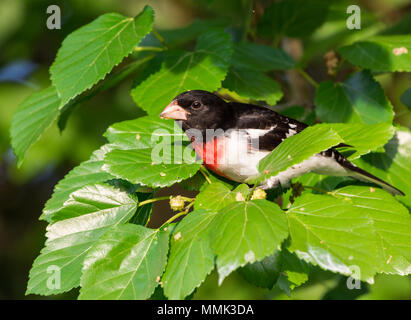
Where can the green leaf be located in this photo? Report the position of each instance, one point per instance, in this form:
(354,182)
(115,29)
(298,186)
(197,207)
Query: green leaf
(364,137)
(143,133)
(359,99)
(406,98)
(296,149)
(393,164)
(111,81)
(356,226)
(88,172)
(263,273)
(203,69)
(262,58)
(324,182)
(33,116)
(341,291)
(245,232)
(380,53)
(191,258)
(401,27)
(298,113)
(294,18)
(254,85)
(94,198)
(143,213)
(124,264)
(294,271)
(177,37)
(69,240)
(89,53)
(216,196)
(148,167)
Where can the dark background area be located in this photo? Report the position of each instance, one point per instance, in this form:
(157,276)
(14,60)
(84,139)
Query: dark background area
(28,48)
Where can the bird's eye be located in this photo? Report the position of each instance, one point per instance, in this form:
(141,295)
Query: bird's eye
(196,105)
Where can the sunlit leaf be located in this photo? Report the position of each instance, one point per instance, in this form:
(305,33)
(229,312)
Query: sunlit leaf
(245,232)
(357,226)
(33,116)
(124,264)
(89,53)
(191,258)
(69,240)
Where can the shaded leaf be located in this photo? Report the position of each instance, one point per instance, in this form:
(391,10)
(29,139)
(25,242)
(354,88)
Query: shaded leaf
(406,98)
(254,85)
(263,273)
(294,18)
(380,53)
(294,271)
(359,99)
(203,69)
(177,37)
(260,58)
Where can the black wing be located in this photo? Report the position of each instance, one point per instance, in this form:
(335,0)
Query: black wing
(278,127)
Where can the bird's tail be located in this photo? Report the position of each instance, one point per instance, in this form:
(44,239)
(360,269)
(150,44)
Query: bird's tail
(365,176)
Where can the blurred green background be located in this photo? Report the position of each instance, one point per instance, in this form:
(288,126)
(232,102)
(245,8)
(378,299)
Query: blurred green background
(27,49)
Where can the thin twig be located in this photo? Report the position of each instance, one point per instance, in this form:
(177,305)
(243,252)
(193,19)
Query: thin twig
(205,175)
(160,38)
(181,213)
(307,77)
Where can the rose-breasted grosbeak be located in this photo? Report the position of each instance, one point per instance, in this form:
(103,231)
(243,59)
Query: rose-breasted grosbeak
(232,138)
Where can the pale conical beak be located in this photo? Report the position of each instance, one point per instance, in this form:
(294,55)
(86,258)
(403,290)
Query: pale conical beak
(174,111)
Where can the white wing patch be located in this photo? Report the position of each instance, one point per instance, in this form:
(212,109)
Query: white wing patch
(256,133)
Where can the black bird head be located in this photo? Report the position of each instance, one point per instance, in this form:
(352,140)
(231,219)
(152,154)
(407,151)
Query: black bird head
(198,109)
